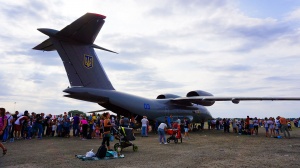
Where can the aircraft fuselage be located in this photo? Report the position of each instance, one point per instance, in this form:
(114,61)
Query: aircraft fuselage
(152,108)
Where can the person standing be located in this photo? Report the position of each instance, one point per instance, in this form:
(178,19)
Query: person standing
(92,120)
(126,121)
(39,124)
(145,124)
(284,126)
(277,123)
(272,127)
(209,124)
(12,132)
(59,125)
(8,127)
(107,128)
(251,126)
(247,125)
(161,132)
(255,124)
(186,125)
(76,125)
(218,124)
(19,126)
(84,125)
(266,125)
(47,123)
(3,123)
(170,121)
(234,126)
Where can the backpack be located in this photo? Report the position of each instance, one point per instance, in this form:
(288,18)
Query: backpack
(101,152)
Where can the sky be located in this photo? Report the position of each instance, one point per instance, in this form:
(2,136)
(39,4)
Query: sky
(225,47)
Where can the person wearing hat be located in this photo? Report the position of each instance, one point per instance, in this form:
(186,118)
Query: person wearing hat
(145,124)
(284,126)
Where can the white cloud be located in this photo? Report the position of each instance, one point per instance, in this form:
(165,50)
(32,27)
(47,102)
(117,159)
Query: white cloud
(164,46)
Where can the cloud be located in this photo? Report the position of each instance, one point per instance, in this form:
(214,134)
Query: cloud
(164,47)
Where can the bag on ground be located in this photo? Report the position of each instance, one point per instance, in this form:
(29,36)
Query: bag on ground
(90,154)
(101,151)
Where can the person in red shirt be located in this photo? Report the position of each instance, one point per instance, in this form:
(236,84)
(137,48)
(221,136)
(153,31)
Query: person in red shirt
(247,124)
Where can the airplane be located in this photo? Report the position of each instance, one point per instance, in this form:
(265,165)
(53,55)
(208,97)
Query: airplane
(89,82)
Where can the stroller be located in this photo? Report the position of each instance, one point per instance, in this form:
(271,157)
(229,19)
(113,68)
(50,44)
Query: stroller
(175,134)
(124,135)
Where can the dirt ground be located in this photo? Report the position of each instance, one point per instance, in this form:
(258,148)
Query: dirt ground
(210,148)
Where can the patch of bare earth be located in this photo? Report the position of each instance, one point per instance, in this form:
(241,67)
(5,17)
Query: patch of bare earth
(210,148)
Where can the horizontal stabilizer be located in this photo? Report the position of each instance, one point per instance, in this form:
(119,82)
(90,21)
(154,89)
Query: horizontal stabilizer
(46,45)
(101,48)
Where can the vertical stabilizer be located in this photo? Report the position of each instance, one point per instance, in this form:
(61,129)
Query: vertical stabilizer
(75,46)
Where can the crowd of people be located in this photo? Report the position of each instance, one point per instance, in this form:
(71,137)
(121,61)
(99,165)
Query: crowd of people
(31,125)
(28,126)
(249,126)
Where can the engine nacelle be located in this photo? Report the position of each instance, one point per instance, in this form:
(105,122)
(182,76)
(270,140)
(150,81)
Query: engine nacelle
(201,93)
(167,96)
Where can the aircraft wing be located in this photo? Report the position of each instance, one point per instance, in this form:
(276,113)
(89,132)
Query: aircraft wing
(98,111)
(202,99)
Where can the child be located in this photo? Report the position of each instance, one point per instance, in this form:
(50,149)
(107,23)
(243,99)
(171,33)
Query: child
(98,132)
(94,130)
(240,129)
(54,126)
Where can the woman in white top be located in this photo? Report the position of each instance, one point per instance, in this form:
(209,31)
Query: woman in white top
(271,126)
(234,126)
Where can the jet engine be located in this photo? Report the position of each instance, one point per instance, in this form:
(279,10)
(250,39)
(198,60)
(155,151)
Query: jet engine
(167,96)
(202,102)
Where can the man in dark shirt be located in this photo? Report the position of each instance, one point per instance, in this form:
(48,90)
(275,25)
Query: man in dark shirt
(38,123)
(76,125)
(186,125)
(126,121)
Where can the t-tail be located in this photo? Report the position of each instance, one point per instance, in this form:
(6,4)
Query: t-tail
(75,45)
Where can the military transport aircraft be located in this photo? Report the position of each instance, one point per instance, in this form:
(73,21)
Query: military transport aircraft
(89,82)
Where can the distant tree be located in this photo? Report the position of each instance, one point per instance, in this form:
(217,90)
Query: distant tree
(74,112)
